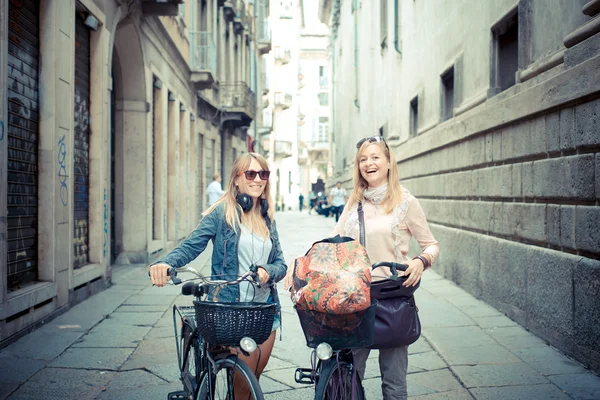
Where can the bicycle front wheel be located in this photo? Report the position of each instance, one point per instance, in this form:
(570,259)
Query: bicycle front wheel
(220,382)
(338,380)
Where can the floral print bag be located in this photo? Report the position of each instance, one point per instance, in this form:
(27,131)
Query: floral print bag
(333,277)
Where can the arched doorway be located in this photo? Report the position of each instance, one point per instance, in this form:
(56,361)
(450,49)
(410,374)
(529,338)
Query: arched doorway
(128,144)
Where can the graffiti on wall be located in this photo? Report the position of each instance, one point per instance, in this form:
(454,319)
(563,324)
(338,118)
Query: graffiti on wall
(62,170)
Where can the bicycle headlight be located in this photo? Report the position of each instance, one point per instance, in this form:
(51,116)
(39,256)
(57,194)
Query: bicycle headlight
(248,344)
(324,351)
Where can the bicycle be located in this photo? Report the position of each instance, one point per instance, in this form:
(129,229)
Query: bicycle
(209,336)
(332,338)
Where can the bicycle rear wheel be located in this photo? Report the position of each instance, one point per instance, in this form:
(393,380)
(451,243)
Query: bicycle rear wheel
(228,374)
(189,350)
(338,380)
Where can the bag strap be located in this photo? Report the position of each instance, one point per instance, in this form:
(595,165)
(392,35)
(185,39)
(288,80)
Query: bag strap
(361,224)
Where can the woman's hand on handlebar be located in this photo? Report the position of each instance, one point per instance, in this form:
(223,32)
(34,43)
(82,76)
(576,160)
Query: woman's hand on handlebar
(414,272)
(263,275)
(159,274)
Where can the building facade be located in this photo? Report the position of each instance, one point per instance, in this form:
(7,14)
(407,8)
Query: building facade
(492,110)
(313,100)
(115,115)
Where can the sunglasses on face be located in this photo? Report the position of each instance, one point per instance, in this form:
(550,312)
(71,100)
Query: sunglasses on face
(251,175)
(372,139)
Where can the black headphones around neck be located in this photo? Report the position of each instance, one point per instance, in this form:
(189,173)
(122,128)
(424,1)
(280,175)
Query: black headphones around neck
(246,202)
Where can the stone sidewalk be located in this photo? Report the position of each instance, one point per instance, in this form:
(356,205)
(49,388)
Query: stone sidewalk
(119,345)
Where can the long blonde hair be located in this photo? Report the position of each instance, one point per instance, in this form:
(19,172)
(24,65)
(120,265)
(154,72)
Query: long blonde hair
(233,210)
(393,196)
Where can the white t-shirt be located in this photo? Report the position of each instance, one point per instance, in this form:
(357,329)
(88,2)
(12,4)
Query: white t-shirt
(214,191)
(338,196)
(253,250)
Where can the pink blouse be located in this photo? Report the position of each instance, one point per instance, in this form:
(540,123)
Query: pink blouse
(388,235)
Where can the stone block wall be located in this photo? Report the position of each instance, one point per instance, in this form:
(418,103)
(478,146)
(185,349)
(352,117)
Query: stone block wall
(516,212)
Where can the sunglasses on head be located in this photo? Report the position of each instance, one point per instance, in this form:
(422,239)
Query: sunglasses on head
(251,175)
(372,139)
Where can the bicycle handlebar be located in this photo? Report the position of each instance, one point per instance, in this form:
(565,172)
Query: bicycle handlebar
(393,266)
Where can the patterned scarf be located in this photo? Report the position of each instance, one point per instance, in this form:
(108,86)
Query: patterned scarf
(376,195)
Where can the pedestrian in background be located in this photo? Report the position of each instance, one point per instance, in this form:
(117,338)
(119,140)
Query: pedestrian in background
(214,190)
(245,211)
(392,217)
(301,201)
(337,199)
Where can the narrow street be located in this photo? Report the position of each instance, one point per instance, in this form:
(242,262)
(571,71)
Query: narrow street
(119,344)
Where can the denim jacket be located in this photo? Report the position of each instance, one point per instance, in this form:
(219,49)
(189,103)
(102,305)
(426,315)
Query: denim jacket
(225,252)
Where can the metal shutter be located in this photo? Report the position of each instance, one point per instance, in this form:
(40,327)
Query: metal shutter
(81,144)
(22,136)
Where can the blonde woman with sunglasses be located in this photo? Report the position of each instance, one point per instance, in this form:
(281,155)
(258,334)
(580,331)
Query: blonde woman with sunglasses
(242,229)
(392,217)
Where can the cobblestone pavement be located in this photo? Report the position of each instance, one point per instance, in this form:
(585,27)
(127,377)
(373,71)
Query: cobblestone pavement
(119,344)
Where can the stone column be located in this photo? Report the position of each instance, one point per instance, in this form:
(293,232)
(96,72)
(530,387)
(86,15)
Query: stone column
(173,171)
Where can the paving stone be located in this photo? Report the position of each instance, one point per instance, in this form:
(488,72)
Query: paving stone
(63,383)
(432,382)
(161,332)
(486,354)
(285,376)
(167,372)
(447,339)
(425,362)
(295,394)
(43,344)
(498,375)
(133,379)
(580,386)
(6,388)
(275,364)
(436,313)
(494,322)
(152,352)
(138,318)
(18,369)
(269,385)
(145,300)
(515,337)
(472,307)
(420,346)
(155,308)
(532,392)
(156,392)
(113,335)
(92,358)
(461,394)
(549,361)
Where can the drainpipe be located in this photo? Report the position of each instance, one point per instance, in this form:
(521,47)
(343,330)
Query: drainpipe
(355,10)
(396,23)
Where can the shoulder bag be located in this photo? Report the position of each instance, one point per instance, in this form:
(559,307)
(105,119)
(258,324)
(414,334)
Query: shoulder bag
(397,321)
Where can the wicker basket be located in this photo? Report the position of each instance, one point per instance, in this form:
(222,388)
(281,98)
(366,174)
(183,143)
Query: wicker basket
(227,323)
(345,331)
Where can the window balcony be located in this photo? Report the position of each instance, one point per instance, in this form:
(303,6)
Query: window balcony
(283,149)
(240,20)
(238,103)
(263,33)
(161,7)
(204,60)
(282,56)
(228,10)
(283,101)
(318,150)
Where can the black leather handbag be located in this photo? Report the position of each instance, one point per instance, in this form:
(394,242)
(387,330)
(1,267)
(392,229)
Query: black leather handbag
(397,321)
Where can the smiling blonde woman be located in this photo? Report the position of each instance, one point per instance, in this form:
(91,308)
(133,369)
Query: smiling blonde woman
(392,218)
